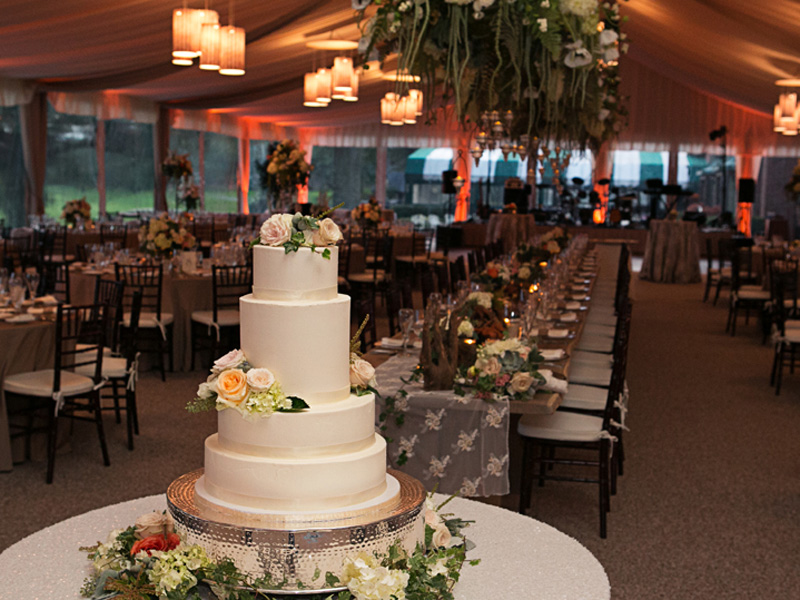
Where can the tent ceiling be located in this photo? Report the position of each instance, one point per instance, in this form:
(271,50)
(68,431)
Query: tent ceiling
(733,49)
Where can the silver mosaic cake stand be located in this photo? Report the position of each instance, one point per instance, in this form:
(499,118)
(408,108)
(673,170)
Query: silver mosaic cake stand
(296,551)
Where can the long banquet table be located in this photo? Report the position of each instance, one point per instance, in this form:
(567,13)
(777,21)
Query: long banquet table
(520,557)
(460,443)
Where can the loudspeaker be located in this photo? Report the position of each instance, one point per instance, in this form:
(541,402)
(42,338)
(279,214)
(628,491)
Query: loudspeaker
(518,196)
(747,191)
(447,182)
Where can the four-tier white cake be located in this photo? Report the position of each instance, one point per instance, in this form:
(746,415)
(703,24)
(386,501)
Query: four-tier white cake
(320,469)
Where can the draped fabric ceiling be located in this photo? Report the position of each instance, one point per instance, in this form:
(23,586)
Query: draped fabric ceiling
(694,65)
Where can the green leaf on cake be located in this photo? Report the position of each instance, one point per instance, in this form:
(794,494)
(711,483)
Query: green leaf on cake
(298,404)
(326,254)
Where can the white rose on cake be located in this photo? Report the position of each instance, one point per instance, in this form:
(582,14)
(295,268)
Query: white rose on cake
(231,360)
(362,374)
(260,380)
(276,230)
(328,233)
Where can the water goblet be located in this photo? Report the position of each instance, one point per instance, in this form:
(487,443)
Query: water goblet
(405,321)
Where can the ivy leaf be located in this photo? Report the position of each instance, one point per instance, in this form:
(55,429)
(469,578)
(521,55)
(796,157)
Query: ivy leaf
(254,243)
(199,405)
(326,254)
(298,405)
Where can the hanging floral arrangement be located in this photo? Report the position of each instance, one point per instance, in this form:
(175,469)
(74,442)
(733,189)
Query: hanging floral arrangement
(552,63)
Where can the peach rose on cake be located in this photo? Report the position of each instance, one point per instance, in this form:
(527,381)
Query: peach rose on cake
(260,380)
(231,360)
(328,233)
(276,230)
(232,386)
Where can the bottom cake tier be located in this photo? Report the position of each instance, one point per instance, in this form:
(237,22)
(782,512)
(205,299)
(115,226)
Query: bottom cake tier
(295,551)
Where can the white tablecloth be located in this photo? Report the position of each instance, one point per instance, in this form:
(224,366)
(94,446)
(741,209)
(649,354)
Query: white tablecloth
(520,557)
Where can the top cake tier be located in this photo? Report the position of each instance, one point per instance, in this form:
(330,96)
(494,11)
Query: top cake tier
(297,276)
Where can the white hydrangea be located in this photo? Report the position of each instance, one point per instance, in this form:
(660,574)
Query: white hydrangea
(368,580)
(483,299)
(466,329)
(580,8)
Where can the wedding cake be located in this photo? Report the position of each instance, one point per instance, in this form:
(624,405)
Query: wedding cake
(284,492)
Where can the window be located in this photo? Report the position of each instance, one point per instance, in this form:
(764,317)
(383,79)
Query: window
(221,160)
(12,168)
(71,162)
(129,166)
(258,195)
(342,175)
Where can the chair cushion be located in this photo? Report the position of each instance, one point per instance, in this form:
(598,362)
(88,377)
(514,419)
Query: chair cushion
(114,367)
(367,277)
(792,336)
(40,383)
(592,358)
(745,293)
(226,318)
(585,397)
(148,319)
(599,330)
(588,374)
(564,426)
(106,351)
(594,343)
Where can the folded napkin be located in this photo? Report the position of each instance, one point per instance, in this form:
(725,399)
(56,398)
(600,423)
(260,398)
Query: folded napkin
(578,288)
(47,299)
(568,317)
(24,318)
(552,354)
(398,343)
(557,333)
(579,297)
(551,383)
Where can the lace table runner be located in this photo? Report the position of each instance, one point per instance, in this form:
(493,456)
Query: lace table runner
(456,444)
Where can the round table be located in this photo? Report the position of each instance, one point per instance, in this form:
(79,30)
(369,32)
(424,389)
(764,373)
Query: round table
(513,229)
(520,557)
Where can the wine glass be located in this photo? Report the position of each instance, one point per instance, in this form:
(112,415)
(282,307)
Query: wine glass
(405,320)
(32,279)
(419,323)
(16,288)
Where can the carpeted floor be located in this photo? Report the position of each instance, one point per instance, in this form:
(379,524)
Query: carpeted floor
(709,506)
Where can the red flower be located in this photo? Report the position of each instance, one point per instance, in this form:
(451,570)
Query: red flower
(492,272)
(156,542)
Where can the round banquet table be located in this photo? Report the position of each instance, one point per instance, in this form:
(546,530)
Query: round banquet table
(520,557)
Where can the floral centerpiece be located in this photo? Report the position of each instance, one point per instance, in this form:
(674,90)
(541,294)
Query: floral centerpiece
(162,236)
(190,195)
(76,211)
(495,276)
(367,214)
(296,231)
(284,170)
(177,166)
(504,369)
(553,63)
(480,318)
(555,241)
(149,560)
(236,384)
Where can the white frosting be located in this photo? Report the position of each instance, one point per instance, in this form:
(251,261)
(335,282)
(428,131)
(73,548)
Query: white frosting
(301,275)
(322,483)
(305,344)
(327,458)
(323,430)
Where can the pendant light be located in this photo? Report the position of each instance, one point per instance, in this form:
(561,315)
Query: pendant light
(353,95)
(198,19)
(210,47)
(342,75)
(310,91)
(417,96)
(232,47)
(324,85)
(182,20)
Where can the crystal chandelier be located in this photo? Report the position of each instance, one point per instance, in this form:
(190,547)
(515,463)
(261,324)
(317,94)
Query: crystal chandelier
(496,133)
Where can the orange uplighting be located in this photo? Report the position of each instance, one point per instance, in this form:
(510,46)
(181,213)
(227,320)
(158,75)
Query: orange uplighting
(597,216)
(469,341)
